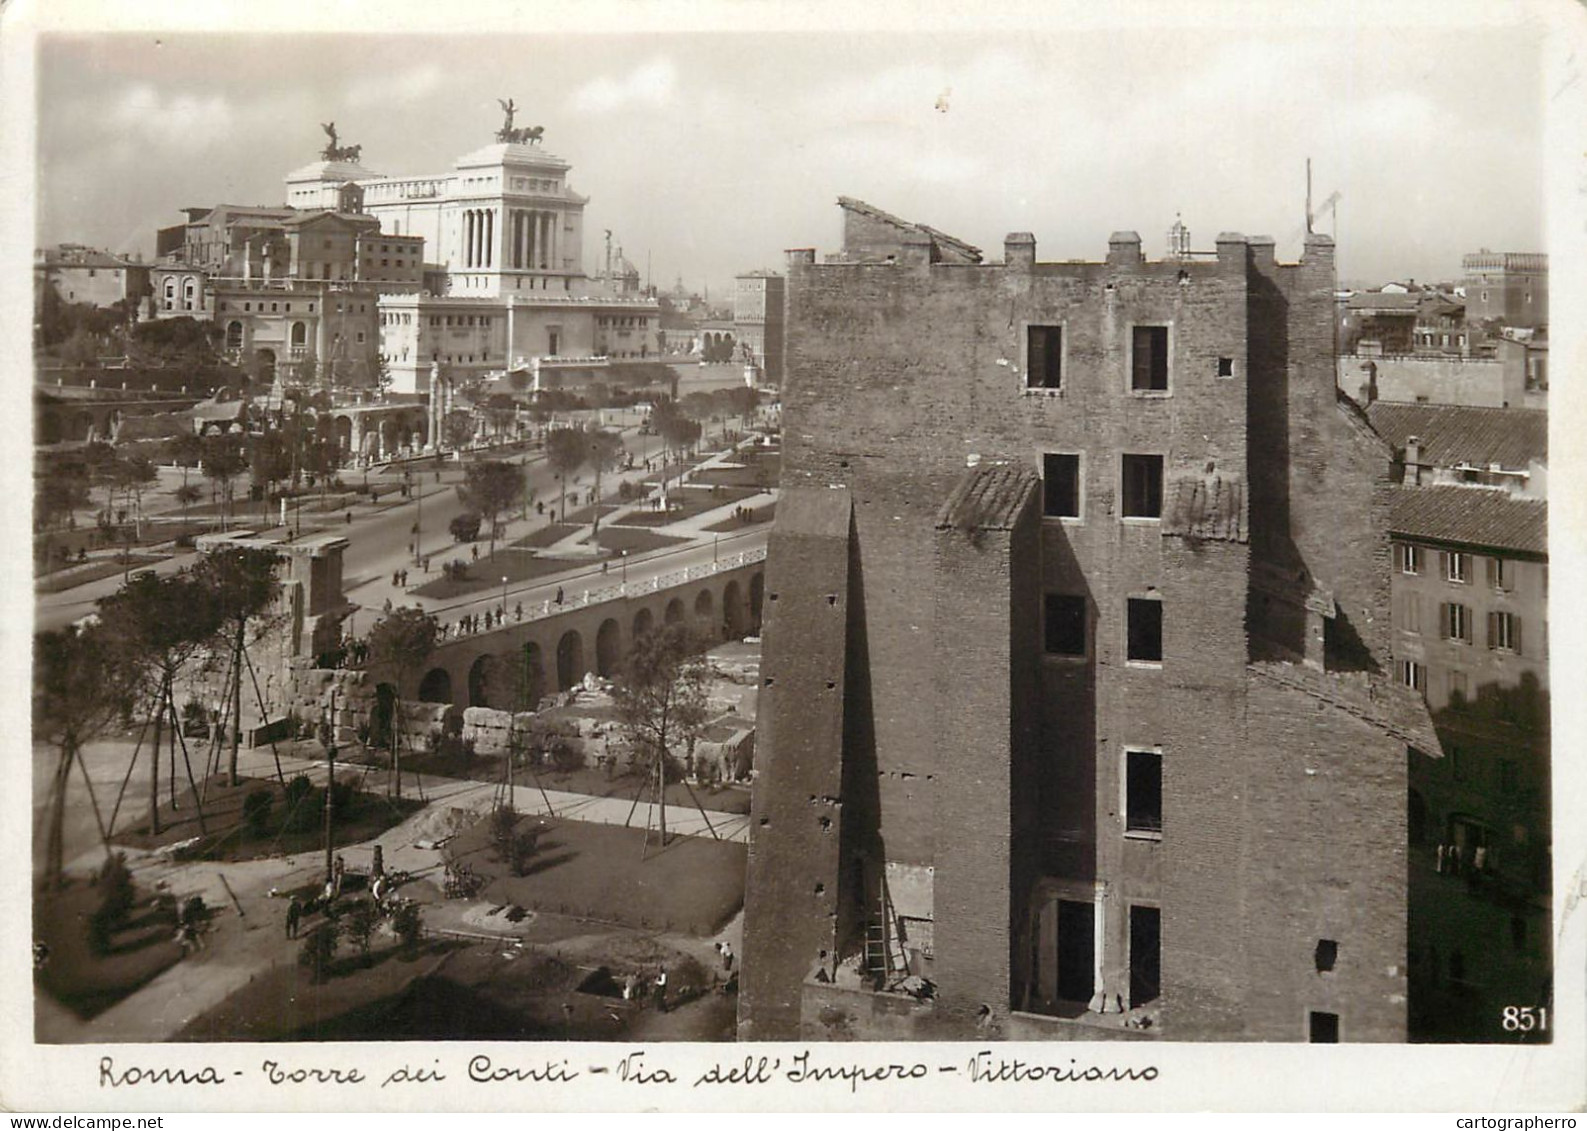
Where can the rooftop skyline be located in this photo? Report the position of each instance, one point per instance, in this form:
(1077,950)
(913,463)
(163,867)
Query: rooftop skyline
(712,153)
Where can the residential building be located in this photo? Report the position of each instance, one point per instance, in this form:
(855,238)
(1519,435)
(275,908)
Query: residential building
(1471,635)
(87,275)
(758,321)
(1079,717)
(1510,288)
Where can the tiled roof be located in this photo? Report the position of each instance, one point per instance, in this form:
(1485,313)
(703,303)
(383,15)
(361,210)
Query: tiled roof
(988,497)
(1381,702)
(1205,505)
(1471,516)
(1385,301)
(854,204)
(819,512)
(1452,435)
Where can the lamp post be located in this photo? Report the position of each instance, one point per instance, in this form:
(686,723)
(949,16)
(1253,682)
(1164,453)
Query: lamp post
(418,518)
(715,539)
(625,571)
(503,610)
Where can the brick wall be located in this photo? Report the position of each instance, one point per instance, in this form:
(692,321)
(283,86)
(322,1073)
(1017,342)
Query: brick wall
(897,374)
(790,902)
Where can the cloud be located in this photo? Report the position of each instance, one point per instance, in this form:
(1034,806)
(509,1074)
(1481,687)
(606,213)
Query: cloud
(650,84)
(401,86)
(185,122)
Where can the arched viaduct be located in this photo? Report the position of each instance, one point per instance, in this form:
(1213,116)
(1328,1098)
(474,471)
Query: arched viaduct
(513,668)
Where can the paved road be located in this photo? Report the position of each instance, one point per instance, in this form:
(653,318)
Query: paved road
(380,538)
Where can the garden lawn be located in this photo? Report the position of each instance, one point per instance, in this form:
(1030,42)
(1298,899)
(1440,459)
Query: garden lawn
(695,500)
(694,885)
(486,574)
(471,992)
(616,539)
(89,983)
(227,837)
(545,536)
(757,514)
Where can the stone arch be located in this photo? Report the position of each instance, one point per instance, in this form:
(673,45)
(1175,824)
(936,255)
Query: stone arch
(533,679)
(299,334)
(705,607)
(757,596)
(570,660)
(390,435)
(436,686)
(733,609)
(644,621)
(484,681)
(675,611)
(383,716)
(342,427)
(608,648)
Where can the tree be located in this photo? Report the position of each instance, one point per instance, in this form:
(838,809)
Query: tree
(605,454)
(59,488)
(661,701)
(677,431)
(132,474)
(319,950)
(361,918)
(153,626)
(80,688)
(457,429)
(241,583)
(741,401)
(492,487)
(408,922)
(186,451)
(223,462)
(400,644)
(566,452)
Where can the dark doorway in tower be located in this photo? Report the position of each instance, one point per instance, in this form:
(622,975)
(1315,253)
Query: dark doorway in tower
(1076,950)
(1146,942)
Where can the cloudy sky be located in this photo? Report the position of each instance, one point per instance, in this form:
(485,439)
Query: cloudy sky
(711,152)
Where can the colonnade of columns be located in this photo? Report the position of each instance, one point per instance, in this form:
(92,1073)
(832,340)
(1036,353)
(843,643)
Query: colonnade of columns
(534,239)
(532,242)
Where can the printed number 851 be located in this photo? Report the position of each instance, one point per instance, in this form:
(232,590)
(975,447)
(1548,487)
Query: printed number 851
(1525,1018)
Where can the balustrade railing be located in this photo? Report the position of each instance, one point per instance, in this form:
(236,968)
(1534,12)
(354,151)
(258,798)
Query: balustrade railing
(620,591)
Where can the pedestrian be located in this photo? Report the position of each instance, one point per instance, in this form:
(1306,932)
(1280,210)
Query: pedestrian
(476,552)
(1479,859)
(294,916)
(727,958)
(394,576)
(559,594)
(426,563)
(1440,859)
(404,579)
(661,989)
(604,564)
(349,518)
(517,612)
